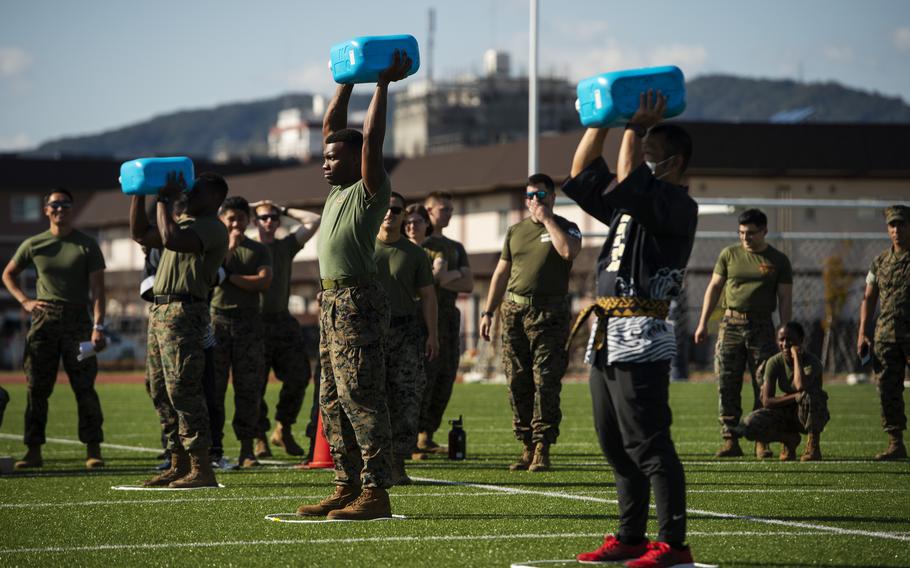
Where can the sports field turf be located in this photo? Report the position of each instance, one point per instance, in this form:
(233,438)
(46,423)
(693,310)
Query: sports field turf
(844,511)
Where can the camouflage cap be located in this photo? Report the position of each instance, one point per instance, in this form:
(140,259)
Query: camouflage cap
(897,213)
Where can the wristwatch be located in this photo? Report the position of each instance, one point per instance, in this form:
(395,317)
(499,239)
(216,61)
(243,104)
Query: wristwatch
(98,327)
(638,129)
(486,314)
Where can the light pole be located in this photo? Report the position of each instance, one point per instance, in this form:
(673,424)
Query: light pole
(532,92)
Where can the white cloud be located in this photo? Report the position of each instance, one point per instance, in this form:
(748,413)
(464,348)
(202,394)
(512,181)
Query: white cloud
(585,30)
(312,77)
(838,53)
(612,57)
(690,58)
(18,141)
(901,38)
(14,61)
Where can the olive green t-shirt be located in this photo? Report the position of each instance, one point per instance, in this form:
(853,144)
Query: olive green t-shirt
(62,264)
(403,268)
(347,234)
(283,251)
(191,273)
(780,372)
(247,259)
(537,269)
(456,258)
(753,278)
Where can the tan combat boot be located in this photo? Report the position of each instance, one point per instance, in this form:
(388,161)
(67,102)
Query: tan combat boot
(373,503)
(261,448)
(247,458)
(895,450)
(527,456)
(200,475)
(813,451)
(32,458)
(283,438)
(789,444)
(341,498)
(730,449)
(180,467)
(93,457)
(399,474)
(541,461)
(763,450)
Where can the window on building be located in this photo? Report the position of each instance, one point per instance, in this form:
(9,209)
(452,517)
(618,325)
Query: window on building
(503,222)
(25,208)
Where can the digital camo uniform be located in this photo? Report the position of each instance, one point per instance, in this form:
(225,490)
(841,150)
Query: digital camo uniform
(403,268)
(178,325)
(535,327)
(890,272)
(285,350)
(239,347)
(63,266)
(354,320)
(808,415)
(441,371)
(746,336)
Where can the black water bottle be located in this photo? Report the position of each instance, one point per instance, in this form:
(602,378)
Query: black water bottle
(457,440)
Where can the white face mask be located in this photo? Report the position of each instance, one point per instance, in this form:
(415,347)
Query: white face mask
(654,165)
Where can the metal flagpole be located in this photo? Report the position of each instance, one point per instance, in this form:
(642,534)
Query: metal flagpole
(532,92)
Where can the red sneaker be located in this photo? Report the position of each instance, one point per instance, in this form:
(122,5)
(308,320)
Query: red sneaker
(613,551)
(662,555)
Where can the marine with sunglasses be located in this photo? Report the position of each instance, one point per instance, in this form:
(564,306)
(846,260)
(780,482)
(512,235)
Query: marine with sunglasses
(69,268)
(285,351)
(533,275)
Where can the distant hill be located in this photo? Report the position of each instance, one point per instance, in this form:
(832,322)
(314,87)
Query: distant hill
(242,128)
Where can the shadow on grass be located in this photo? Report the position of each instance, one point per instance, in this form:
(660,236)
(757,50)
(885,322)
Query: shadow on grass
(816,564)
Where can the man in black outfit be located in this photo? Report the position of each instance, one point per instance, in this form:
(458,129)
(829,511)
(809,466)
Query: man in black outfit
(640,270)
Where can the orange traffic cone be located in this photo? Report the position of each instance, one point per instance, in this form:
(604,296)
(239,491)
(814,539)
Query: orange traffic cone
(322,455)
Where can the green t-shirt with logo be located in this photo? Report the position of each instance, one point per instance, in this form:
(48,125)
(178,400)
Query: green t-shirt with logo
(752,278)
(402,268)
(347,234)
(246,260)
(283,251)
(193,273)
(780,372)
(537,269)
(456,258)
(62,264)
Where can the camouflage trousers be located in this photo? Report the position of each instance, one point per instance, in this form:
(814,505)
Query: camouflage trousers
(534,359)
(809,414)
(405,381)
(239,351)
(175,366)
(352,395)
(441,371)
(741,344)
(285,353)
(55,334)
(892,362)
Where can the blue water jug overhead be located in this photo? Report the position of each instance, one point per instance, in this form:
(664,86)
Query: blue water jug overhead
(610,99)
(361,59)
(145,176)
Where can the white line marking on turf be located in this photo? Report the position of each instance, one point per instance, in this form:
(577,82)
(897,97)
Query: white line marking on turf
(294,518)
(143,488)
(354,540)
(765,520)
(78,443)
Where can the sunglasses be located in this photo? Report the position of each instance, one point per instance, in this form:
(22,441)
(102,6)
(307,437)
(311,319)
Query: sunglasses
(395,210)
(540,195)
(60,204)
(268,217)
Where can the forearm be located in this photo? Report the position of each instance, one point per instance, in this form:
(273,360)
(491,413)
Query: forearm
(374,124)
(497,291)
(251,282)
(463,284)
(567,247)
(712,295)
(167,228)
(99,306)
(779,401)
(336,115)
(630,155)
(139,222)
(430,311)
(589,149)
(866,310)
(10,280)
(798,381)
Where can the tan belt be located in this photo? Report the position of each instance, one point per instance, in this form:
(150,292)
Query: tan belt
(534,300)
(748,316)
(619,307)
(349,282)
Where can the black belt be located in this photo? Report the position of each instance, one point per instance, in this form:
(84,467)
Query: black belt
(748,316)
(173,298)
(397,321)
(235,312)
(346,282)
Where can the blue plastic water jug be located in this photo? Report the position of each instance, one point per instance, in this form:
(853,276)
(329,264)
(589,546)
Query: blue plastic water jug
(610,99)
(145,176)
(361,59)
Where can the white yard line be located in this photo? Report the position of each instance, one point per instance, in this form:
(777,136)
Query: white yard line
(765,520)
(78,443)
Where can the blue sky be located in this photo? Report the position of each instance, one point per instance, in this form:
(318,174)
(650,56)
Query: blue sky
(76,67)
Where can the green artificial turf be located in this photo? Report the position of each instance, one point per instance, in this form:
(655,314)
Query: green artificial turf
(844,511)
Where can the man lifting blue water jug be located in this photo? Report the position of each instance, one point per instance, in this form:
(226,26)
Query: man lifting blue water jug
(640,271)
